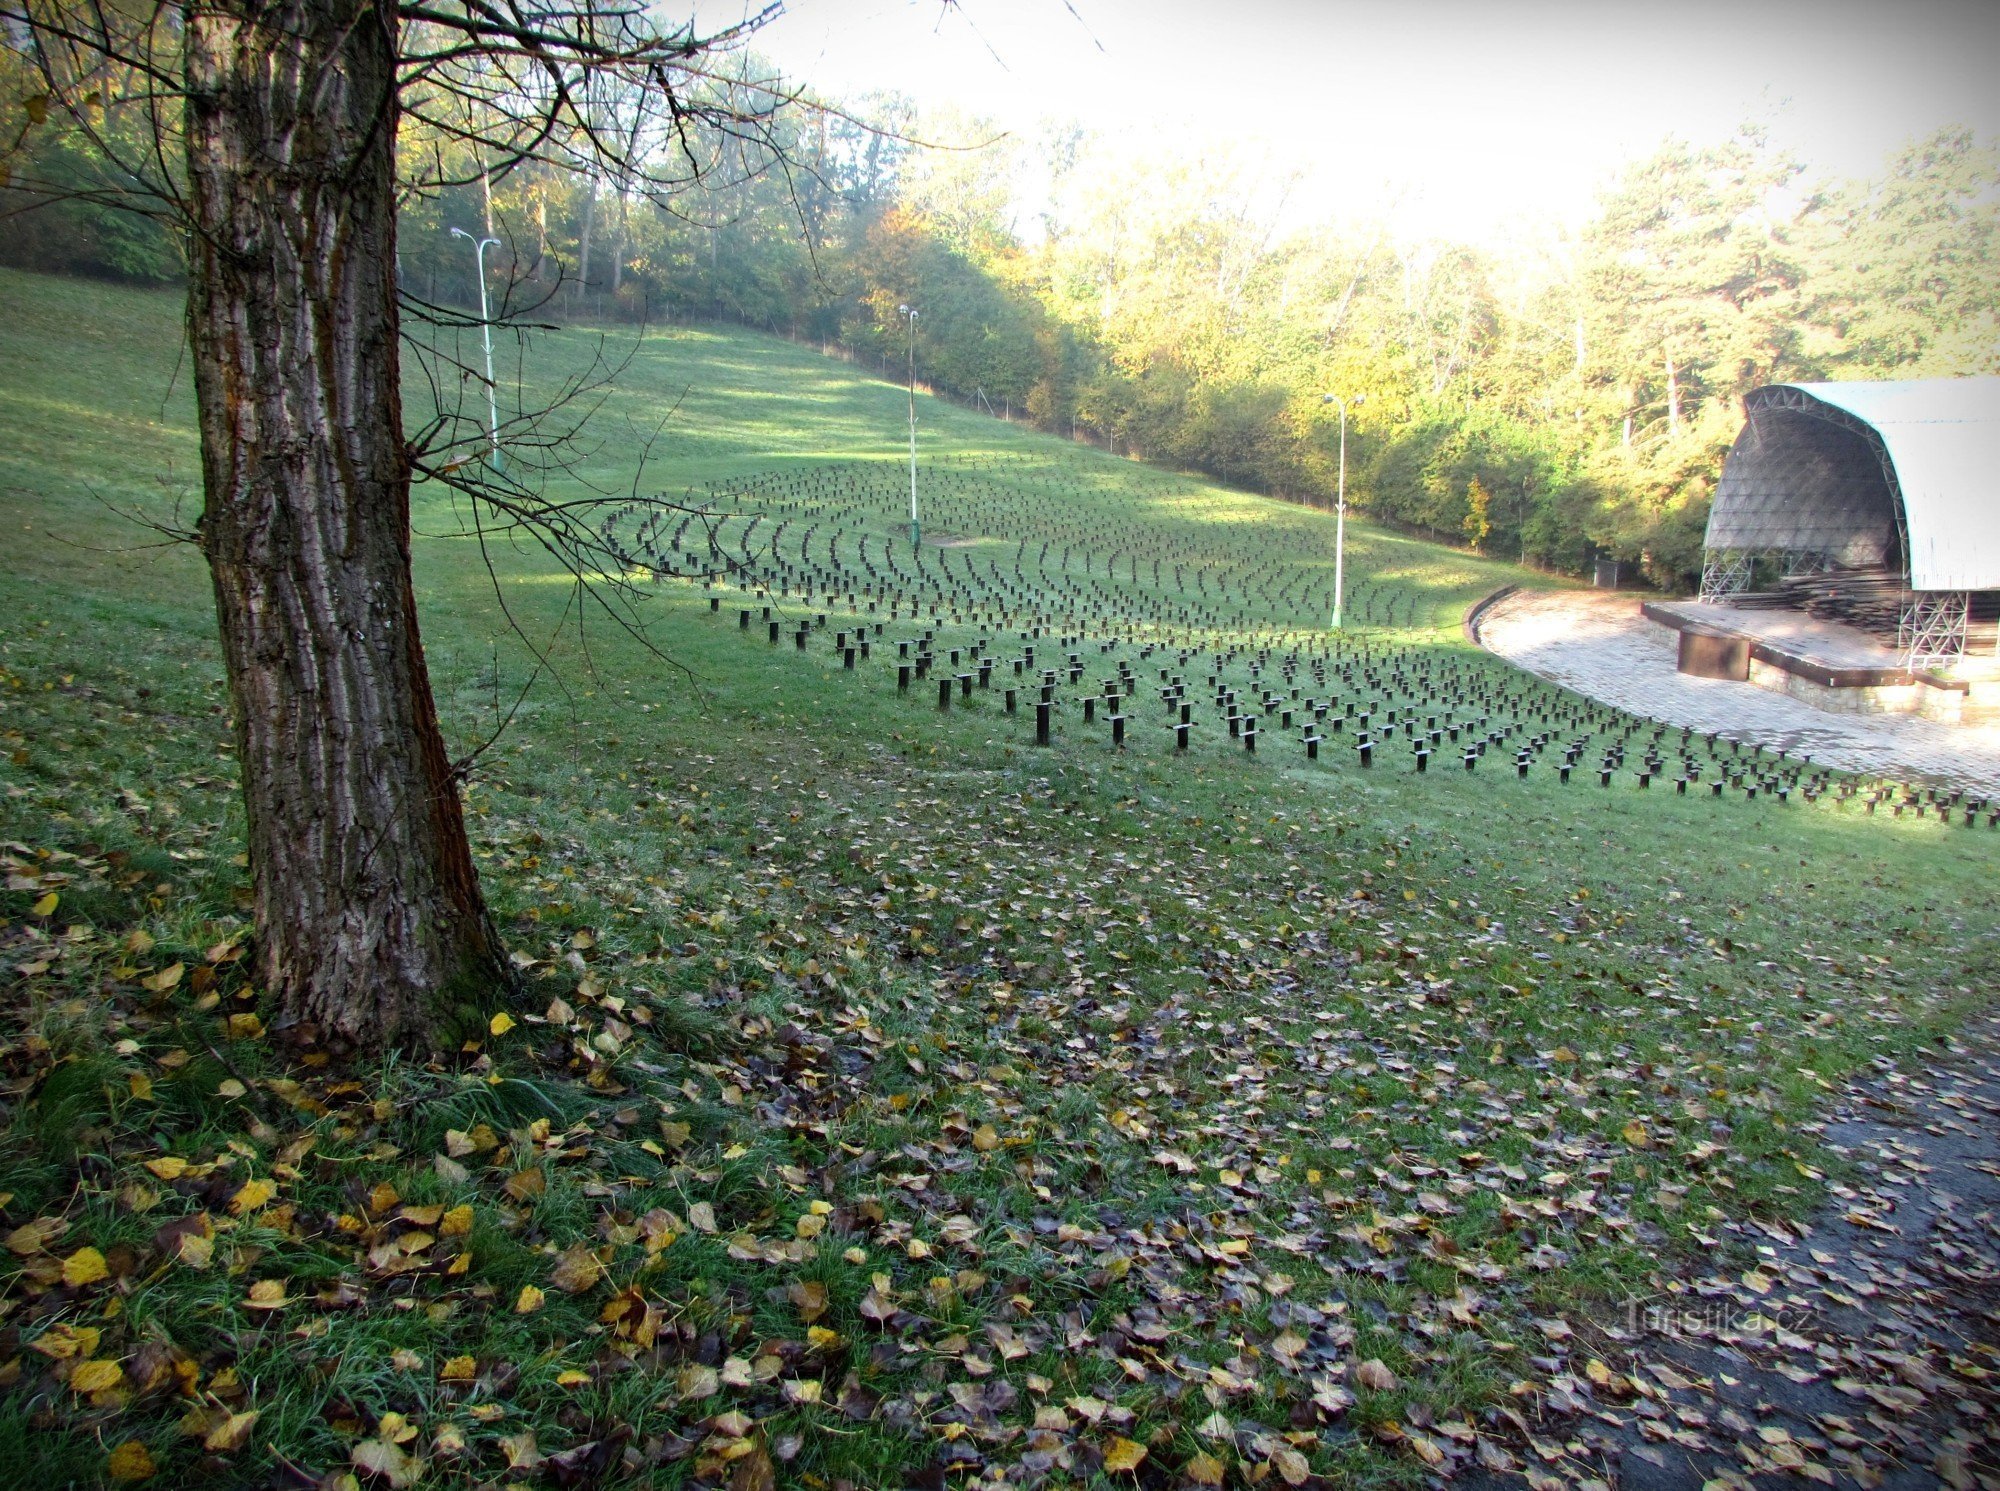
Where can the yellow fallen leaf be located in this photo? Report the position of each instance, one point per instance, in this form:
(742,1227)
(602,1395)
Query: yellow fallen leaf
(251,1195)
(501,1023)
(167,1167)
(388,1460)
(130,1462)
(84,1266)
(456,1222)
(1636,1135)
(1205,1470)
(572,1378)
(1293,1468)
(46,906)
(1123,1454)
(521,1450)
(266,1294)
(95,1376)
(34,1237)
(62,1341)
(245,1027)
(530,1300)
(458,1369)
(165,979)
(232,1433)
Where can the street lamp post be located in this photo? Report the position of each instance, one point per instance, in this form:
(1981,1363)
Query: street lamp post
(1340,508)
(486,338)
(916,533)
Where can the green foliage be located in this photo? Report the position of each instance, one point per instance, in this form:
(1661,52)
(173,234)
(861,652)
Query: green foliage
(1154,304)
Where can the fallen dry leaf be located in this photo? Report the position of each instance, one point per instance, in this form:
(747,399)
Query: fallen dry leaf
(1123,1455)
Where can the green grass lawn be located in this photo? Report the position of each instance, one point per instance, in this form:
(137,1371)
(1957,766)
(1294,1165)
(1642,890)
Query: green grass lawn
(890,1101)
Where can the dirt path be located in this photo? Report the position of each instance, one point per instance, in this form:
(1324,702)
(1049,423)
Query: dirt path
(1863,1350)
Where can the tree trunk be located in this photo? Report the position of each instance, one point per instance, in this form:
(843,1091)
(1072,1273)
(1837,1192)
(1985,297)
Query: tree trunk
(371,930)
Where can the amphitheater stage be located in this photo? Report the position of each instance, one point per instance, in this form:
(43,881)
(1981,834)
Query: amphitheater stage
(1826,664)
(1597,643)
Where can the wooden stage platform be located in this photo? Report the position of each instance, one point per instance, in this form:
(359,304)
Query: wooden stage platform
(1823,663)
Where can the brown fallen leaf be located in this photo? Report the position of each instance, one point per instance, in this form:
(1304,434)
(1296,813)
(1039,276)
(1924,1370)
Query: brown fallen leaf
(810,1297)
(1375,1375)
(753,1472)
(576,1270)
(1428,1450)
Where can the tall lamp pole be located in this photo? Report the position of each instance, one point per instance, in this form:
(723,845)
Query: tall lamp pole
(486,337)
(1340,508)
(916,533)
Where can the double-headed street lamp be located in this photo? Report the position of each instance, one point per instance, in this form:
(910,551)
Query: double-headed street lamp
(486,336)
(1340,507)
(916,533)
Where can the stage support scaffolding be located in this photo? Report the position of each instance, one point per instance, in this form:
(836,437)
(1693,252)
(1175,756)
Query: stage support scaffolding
(1932,632)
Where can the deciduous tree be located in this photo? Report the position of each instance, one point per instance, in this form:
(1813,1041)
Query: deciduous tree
(273,149)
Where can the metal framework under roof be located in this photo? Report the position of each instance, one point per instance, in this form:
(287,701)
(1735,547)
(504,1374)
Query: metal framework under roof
(1890,491)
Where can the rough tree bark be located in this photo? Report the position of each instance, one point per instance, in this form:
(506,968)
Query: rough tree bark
(370,927)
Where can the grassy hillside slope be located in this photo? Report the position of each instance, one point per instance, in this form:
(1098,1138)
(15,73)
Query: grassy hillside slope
(886,1095)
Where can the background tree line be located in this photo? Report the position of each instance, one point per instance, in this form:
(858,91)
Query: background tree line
(1554,401)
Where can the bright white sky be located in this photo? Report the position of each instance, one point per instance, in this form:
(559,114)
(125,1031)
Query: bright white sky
(1477,117)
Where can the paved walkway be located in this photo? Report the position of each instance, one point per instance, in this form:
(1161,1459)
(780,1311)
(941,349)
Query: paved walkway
(1599,645)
